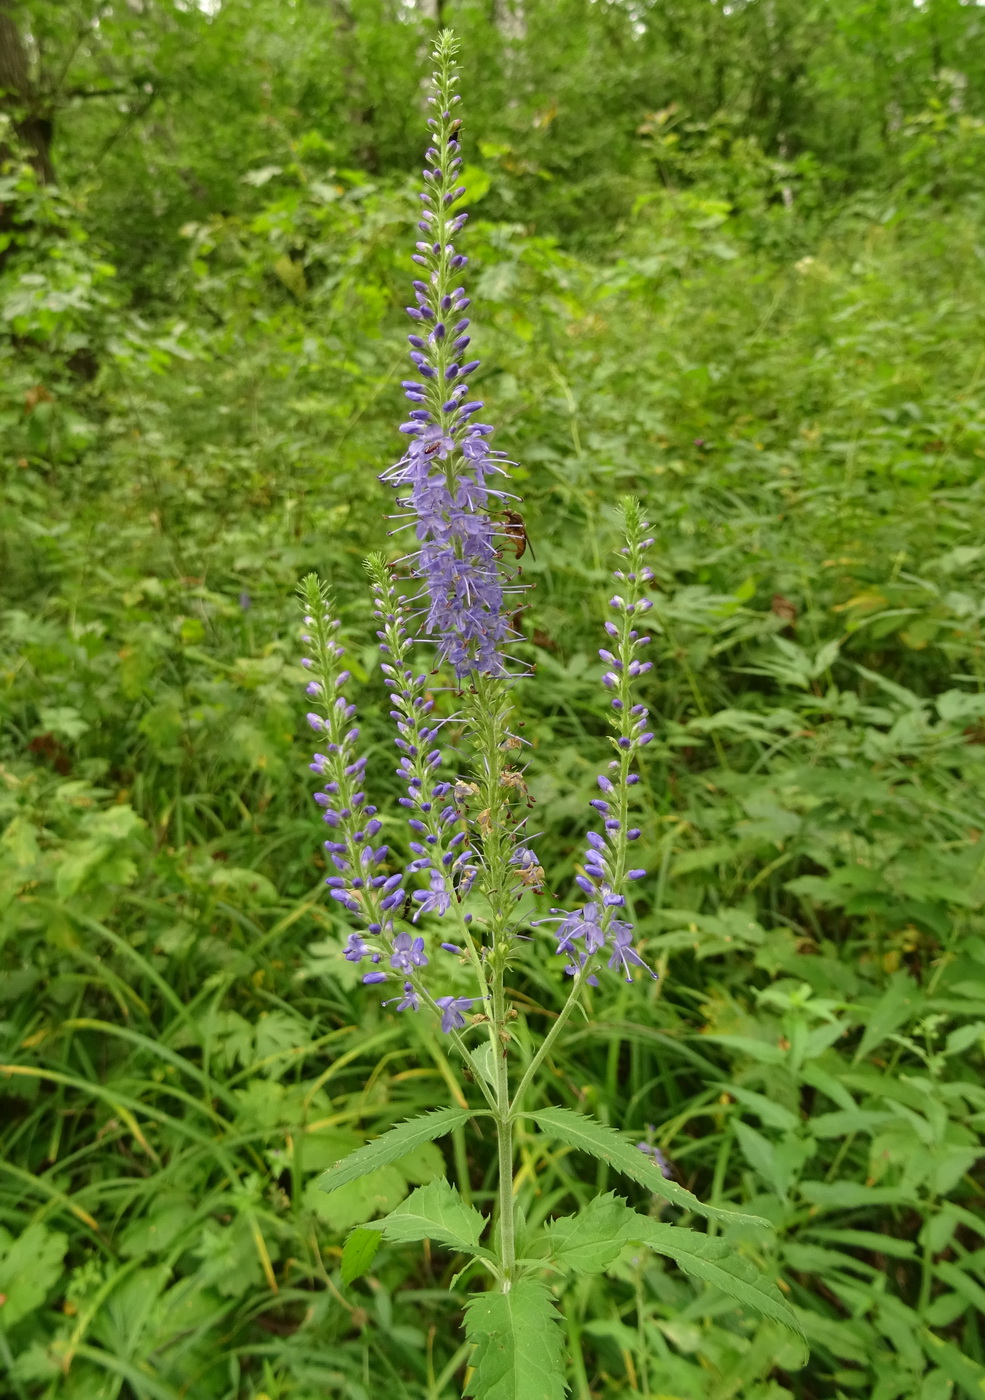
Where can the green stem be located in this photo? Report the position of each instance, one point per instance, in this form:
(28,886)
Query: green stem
(549,1040)
(504,1134)
(458,1043)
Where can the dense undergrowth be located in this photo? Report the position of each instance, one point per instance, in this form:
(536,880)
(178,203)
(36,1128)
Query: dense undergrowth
(800,403)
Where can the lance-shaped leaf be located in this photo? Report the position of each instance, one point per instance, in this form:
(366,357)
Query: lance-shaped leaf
(715,1261)
(588,1135)
(518,1343)
(397,1143)
(435,1212)
(588,1243)
(359,1253)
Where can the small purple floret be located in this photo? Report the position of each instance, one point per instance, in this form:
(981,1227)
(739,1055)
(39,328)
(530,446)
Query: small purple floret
(451,1011)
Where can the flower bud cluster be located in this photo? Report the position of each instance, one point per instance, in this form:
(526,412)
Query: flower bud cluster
(444,474)
(607,866)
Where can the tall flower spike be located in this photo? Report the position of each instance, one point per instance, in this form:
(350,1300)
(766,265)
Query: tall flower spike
(588,930)
(444,475)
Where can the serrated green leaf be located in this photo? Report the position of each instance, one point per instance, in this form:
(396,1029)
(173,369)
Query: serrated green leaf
(588,1135)
(435,1212)
(397,1143)
(715,1261)
(588,1243)
(358,1254)
(518,1344)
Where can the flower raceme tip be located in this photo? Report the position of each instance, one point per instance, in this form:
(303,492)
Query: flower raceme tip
(449,477)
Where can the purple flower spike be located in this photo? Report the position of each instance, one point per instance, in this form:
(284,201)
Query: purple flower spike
(463,540)
(444,477)
(357,879)
(605,872)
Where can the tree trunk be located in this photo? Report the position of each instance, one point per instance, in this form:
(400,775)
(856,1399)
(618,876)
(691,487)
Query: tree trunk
(19,100)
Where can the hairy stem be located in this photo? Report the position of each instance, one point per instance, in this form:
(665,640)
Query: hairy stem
(548,1040)
(504,1131)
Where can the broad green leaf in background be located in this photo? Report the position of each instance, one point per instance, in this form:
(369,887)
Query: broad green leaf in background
(894,1007)
(776,1160)
(518,1343)
(477,183)
(371,1193)
(844,1121)
(851,1195)
(967,1374)
(588,1135)
(759,1152)
(767,1110)
(29,1266)
(421,1165)
(962,1282)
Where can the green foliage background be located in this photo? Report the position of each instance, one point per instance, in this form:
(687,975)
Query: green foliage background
(727,258)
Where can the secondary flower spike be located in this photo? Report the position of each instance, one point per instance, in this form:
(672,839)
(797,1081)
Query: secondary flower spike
(595,926)
(358,882)
(444,476)
(362,879)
